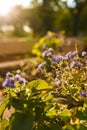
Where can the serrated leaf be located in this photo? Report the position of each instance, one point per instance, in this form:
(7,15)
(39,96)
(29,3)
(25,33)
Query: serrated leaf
(39,85)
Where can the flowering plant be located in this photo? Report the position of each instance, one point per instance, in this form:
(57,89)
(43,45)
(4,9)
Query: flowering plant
(59,103)
(68,76)
(50,40)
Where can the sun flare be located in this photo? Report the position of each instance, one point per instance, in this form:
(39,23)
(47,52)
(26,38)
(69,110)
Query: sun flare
(6,5)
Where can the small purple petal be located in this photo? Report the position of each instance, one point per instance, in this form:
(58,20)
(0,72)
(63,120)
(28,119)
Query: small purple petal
(9,82)
(68,54)
(57,59)
(72,64)
(44,54)
(78,64)
(71,54)
(22,80)
(4,84)
(58,83)
(84,53)
(51,50)
(11,85)
(83,94)
(40,66)
(49,54)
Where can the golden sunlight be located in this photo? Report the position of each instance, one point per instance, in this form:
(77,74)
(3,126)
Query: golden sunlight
(6,5)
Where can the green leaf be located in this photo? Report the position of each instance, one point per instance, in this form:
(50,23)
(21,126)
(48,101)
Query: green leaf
(20,121)
(82,115)
(50,127)
(51,113)
(68,127)
(4,124)
(39,85)
(3,106)
(65,113)
(17,104)
(80,127)
(55,126)
(13,94)
(47,96)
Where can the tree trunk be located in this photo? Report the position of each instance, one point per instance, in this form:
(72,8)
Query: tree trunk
(75,25)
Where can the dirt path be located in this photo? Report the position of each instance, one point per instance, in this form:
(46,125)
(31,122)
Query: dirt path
(13,63)
(11,49)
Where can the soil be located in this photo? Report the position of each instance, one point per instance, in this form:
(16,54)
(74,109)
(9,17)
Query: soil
(13,49)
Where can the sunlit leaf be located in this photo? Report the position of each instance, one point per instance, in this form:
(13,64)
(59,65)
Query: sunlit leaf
(65,113)
(3,106)
(51,113)
(4,124)
(39,85)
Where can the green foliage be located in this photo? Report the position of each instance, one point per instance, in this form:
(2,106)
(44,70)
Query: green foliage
(3,106)
(4,125)
(22,121)
(31,103)
(39,85)
(59,103)
(50,40)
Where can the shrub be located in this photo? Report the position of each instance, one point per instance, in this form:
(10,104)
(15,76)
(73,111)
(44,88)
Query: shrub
(50,40)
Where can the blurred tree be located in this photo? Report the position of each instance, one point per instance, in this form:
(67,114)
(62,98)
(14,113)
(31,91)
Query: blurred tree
(82,21)
(63,21)
(75,7)
(42,16)
(16,19)
(47,10)
(49,15)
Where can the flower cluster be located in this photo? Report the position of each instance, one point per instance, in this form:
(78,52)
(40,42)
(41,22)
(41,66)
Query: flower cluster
(67,72)
(11,79)
(48,53)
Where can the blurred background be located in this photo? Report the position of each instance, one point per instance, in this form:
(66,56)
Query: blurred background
(24,22)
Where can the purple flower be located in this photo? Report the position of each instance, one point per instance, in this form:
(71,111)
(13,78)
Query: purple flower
(17,76)
(49,54)
(51,50)
(11,85)
(44,54)
(40,66)
(83,94)
(20,79)
(5,83)
(9,82)
(58,83)
(72,64)
(64,58)
(71,54)
(78,64)
(57,59)
(68,54)
(84,53)
(8,74)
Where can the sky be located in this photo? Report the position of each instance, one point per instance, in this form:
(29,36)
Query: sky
(5,5)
